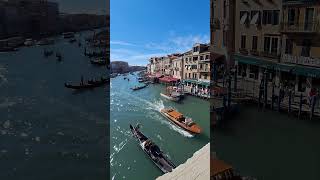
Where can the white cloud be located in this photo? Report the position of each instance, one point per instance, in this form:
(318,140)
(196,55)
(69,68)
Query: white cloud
(121,43)
(140,54)
(178,43)
(132,57)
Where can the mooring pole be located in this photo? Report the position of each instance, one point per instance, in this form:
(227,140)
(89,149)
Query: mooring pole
(279,99)
(300,106)
(312,108)
(265,93)
(229,91)
(289,106)
(235,80)
(272,97)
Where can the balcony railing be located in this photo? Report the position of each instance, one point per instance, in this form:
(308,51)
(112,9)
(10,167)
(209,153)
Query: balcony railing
(294,2)
(243,51)
(270,55)
(204,70)
(308,61)
(311,27)
(254,52)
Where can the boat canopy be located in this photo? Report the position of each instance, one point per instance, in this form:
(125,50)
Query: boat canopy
(175,114)
(168,79)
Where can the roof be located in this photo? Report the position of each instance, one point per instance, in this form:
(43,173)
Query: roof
(218,166)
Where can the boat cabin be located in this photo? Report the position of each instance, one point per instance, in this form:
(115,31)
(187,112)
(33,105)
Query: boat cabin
(179,117)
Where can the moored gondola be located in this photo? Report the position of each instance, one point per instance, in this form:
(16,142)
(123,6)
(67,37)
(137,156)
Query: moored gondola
(152,151)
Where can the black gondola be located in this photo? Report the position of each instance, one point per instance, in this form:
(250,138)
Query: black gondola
(47,53)
(152,151)
(91,84)
(58,56)
(80,86)
(139,87)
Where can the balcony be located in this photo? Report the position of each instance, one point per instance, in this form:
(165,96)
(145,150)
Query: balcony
(270,55)
(204,70)
(296,2)
(243,51)
(312,27)
(254,52)
(307,61)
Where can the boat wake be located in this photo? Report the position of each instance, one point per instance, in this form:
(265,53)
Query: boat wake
(163,121)
(156,106)
(117,148)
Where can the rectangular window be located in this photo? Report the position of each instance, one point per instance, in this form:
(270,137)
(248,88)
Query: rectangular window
(224,9)
(289,46)
(291,16)
(305,51)
(255,17)
(243,42)
(274,46)
(195,58)
(254,42)
(201,57)
(269,17)
(266,44)
(276,17)
(189,75)
(308,22)
(264,17)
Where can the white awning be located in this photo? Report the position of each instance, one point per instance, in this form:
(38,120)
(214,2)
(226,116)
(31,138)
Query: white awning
(255,18)
(244,18)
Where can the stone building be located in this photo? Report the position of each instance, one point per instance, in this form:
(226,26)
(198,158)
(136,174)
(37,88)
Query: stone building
(300,30)
(177,64)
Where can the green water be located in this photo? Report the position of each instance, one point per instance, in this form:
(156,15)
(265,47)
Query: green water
(127,160)
(270,145)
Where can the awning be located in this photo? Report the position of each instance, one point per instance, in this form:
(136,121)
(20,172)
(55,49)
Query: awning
(168,79)
(193,81)
(284,67)
(243,18)
(255,61)
(190,81)
(306,71)
(255,18)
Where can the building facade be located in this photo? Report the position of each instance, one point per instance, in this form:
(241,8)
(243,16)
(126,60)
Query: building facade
(257,39)
(300,30)
(177,64)
(192,68)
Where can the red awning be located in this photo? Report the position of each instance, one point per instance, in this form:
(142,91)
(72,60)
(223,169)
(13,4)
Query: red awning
(168,79)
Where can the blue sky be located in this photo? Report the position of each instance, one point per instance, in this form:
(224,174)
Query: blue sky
(140,29)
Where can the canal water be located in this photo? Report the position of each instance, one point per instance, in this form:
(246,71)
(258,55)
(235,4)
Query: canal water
(46,130)
(127,160)
(270,145)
